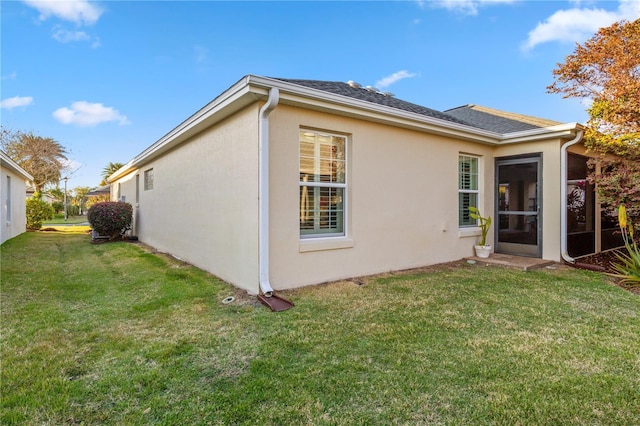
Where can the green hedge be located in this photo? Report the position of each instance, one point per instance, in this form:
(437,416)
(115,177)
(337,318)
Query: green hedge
(110,218)
(37,212)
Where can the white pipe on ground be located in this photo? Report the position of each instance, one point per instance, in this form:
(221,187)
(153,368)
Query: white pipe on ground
(563,196)
(263,188)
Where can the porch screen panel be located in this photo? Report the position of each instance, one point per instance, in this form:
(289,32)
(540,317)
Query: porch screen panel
(322,184)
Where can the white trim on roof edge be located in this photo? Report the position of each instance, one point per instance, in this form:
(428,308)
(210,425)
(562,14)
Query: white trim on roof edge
(14,167)
(253,88)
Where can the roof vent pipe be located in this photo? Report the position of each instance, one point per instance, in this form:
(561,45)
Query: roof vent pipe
(563,196)
(263,188)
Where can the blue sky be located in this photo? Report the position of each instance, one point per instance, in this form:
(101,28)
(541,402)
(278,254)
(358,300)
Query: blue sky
(106,79)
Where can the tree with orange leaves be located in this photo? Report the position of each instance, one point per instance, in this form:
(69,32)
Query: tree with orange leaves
(606,70)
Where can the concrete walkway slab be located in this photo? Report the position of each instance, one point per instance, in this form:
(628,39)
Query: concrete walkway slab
(514,262)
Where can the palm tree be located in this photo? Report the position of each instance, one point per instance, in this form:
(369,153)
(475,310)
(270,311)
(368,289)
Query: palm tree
(43,158)
(108,170)
(80,197)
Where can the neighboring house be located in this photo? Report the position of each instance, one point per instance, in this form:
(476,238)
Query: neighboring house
(13,188)
(99,193)
(279,183)
(31,190)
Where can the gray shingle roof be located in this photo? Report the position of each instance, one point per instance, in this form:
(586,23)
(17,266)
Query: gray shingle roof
(471,115)
(361,93)
(498,121)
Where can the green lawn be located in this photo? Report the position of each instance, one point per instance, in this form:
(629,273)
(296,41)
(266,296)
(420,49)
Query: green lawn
(58,219)
(112,334)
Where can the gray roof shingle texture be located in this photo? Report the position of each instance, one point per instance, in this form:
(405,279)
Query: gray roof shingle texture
(465,115)
(344,89)
(491,122)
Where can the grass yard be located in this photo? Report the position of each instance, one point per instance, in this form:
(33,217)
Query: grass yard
(113,334)
(58,219)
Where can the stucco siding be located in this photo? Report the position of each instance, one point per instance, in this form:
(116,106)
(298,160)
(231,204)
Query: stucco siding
(402,200)
(551,203)
(203,207)
(14,211)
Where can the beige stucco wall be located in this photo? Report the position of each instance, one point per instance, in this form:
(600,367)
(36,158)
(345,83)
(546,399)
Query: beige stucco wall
(402,200)
(14,222)
(203,207)
(550,154)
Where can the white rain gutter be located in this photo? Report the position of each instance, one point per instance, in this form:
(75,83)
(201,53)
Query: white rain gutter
(563,196)
(263,188)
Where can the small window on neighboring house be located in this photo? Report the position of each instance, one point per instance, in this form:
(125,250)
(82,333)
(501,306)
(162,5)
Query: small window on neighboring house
(148,179)
(323,184)
(137,189)
(8,199)
(467,189)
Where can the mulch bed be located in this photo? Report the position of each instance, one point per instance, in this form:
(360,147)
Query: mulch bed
(606,260)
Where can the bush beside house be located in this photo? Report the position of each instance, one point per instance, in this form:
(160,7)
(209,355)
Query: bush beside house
(110,219)
(38,211)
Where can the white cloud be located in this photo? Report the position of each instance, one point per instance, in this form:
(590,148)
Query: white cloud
(396,76)
(65,36)
(87,114)
(16,101)
(71,166)
(578,24)
(82,12)
(467,7)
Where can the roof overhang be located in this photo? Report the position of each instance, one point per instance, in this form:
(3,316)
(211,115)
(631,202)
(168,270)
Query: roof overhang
(14,167)
(251,89)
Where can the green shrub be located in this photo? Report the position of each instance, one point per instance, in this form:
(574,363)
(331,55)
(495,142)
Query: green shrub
(37,212)
(57,206)
(628,269)
(73,210)
(110,218)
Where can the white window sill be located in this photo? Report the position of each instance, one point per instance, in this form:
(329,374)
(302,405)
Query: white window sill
(317,244)
(473,231)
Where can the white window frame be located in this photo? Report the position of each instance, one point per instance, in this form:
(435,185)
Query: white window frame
(334,185)
(466,157)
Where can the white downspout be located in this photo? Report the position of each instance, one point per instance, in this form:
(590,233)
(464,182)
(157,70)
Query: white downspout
(263,188)
(563,196)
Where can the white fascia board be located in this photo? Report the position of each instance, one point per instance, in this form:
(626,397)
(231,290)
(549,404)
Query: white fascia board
(233,99)
(252,88)
(561,131)
(14,167)
(346,105)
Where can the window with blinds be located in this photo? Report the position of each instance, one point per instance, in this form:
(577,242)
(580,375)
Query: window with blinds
(467,189)
(322,184)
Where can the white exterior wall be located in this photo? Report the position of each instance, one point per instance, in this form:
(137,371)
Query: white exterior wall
(13,220)
(402,200)
(203,207)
